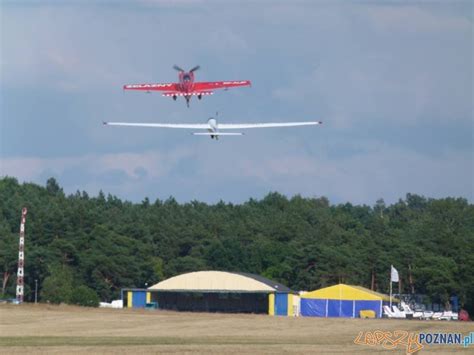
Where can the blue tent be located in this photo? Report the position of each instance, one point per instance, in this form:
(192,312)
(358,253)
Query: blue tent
(342,301)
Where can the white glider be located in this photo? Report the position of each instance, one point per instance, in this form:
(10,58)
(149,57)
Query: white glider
(213,128)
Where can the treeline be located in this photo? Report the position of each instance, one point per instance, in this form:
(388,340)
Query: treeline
(89,246)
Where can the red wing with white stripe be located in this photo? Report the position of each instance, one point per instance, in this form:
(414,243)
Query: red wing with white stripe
(212,85)
(187,87)
(171,87)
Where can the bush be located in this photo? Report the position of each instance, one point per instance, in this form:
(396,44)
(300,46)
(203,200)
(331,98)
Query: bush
(84,296)
(57,287)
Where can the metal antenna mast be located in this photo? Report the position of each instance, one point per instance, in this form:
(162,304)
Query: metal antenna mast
(21,258)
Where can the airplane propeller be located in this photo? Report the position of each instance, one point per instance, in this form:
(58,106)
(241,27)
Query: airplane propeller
(175,67)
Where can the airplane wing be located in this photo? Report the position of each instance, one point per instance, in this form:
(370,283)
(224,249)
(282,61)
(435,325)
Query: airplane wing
(265,125)
(161,125)
(170,87)
(211,85)
(219,126)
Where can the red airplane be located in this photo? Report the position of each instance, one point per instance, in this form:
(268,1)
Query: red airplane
(186,86)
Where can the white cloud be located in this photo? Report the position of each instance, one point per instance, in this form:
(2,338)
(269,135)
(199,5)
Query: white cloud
(156,164)
(382,171)
(378,170)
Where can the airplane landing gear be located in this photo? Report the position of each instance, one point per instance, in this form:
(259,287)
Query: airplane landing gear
(199,97)
(174,97)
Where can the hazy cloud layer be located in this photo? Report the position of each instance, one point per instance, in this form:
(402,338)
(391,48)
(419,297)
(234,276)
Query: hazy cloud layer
(393,83)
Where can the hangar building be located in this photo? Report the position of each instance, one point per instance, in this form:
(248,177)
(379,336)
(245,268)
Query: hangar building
(219,291)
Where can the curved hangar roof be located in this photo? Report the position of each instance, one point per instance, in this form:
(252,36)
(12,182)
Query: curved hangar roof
(215,281)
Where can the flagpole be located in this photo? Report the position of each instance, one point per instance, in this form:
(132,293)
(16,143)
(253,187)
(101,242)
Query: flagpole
(391,266)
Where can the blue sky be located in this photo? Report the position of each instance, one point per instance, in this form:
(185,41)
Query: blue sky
(392,81)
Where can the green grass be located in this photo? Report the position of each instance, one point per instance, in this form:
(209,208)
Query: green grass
(148,340)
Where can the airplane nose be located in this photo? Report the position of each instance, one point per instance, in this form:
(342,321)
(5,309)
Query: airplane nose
(212,122)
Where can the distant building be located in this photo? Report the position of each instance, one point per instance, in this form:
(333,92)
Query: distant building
(343,301)
(216,291)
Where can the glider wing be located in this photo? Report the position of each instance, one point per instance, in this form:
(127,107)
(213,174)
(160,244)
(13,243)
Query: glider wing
(161,125)
(266,125)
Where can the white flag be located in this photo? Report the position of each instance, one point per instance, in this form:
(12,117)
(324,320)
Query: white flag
(393,275)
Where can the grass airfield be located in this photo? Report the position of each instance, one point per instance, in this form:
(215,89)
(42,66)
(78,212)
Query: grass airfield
(49,329)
